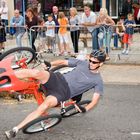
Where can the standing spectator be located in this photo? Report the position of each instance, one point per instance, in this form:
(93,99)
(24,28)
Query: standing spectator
(2,36)
(136,7)
(41,35)
(31,20)
(119,32)
(63,35)
(55,19)
(89,20)
(74,29)
(4,13)
(105,21)
(126,8)
(129,24)
(50,33)
(17,21)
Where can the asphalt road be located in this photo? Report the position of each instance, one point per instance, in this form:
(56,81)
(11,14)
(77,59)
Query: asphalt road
(116,117)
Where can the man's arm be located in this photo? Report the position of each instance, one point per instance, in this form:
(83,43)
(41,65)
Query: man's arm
(95,100)
(59,62)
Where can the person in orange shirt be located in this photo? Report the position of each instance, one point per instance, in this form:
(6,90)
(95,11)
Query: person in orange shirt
(63,36)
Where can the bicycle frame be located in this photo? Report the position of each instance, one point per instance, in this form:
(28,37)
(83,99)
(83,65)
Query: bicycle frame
(10,83)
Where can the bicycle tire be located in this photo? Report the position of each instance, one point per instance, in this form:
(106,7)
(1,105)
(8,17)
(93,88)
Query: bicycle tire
(18,53)
(71,110)
(29,128)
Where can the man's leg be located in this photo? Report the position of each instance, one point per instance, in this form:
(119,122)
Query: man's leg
(43,76)
(49,102)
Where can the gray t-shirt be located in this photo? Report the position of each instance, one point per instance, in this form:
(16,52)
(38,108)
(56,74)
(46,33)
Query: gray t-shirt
(82,79)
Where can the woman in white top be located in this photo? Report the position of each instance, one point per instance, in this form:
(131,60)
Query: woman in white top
(4,13)
(74,29)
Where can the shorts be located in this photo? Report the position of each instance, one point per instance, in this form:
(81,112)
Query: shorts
(64,38)
(50,40)
(58,87)
(127,38)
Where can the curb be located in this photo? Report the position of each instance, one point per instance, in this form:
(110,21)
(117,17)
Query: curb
(122,83)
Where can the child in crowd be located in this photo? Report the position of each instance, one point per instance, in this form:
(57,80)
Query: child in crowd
(41,35)
(64,39)
(2,36)
(119,32)
(129,24)
(50,33)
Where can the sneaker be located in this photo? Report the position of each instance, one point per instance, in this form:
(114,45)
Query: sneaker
(123,52)
(127,51)
(10,134)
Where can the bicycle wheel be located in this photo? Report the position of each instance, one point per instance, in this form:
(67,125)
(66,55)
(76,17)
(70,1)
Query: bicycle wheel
(19,53)
(42,124)
(71,110)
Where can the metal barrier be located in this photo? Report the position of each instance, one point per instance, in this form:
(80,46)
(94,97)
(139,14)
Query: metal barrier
(16,37)
(85,41)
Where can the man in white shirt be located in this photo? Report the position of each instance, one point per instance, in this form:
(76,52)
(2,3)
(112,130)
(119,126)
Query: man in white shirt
(89,20)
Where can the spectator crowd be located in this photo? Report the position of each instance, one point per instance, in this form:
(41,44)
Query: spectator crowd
(55,29)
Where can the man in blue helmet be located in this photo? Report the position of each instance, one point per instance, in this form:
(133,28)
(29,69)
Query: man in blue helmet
(61,87)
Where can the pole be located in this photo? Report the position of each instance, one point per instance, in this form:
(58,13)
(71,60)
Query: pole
(23,8)
(71,3)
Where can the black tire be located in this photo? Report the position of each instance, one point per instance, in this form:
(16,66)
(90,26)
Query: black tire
(18,53)
(35,125)
(71,110)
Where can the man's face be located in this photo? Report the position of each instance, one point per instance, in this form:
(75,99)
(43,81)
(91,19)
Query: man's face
(93,63)
(16,14)
(87,10)
(55,10)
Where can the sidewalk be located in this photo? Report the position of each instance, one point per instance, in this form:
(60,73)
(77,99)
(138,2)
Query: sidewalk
(121,74)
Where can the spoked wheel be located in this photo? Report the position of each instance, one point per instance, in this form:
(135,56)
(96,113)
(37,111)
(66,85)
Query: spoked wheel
(42,124)
(19,53)
(71,110)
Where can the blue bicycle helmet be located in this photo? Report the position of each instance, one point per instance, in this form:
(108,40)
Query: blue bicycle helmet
(100,55)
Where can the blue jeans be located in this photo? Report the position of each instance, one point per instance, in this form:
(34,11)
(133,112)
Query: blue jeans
(18,39)
(95,45)
(116,36)
(107,40)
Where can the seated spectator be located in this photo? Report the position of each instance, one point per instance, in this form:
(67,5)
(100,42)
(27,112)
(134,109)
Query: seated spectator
(119,32)
(17,21)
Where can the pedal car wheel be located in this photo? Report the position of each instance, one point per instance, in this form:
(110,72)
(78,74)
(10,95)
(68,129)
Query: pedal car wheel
(19,53)
(71,110)
(42,124)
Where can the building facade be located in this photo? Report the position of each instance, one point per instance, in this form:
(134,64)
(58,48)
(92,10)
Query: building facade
(113,6)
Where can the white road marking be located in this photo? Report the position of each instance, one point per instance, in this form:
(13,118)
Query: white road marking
(135,133)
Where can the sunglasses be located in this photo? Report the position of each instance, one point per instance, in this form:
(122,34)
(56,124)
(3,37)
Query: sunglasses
(93,62)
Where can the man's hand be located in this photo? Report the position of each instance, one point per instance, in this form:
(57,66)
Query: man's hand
(83,110)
